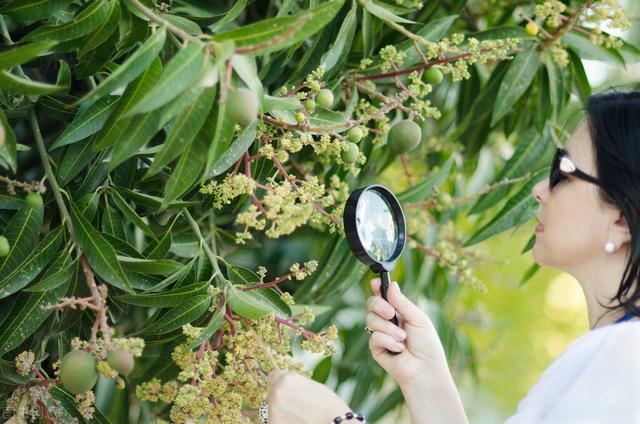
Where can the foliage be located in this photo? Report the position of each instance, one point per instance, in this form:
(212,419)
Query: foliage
(173,234)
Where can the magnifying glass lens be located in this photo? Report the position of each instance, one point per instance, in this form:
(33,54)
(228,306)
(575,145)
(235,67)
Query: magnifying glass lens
(376,225)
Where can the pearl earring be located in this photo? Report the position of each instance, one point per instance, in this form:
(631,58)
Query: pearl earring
(609,247)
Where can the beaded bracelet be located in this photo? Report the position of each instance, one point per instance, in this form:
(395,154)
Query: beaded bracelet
(348,416)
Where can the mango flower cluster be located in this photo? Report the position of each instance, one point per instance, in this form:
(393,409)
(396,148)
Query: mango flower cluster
(589,21)
(217,382)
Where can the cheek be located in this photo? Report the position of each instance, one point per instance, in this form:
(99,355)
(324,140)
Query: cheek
(568,235)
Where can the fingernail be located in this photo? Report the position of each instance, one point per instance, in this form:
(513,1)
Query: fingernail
(399,346)
(395,286)
(400,334)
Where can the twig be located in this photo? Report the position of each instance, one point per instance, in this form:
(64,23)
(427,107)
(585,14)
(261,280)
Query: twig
(157,19)
(99,294)
(44,158)
(418,67)
(566,25)
(212,256)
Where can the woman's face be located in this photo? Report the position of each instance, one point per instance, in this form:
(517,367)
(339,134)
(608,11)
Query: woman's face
(573,216)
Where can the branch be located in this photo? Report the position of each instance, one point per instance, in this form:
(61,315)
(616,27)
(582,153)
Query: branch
(566,25)
(212,256)
(418,67)
(99,294)
(44,157)
(157,19)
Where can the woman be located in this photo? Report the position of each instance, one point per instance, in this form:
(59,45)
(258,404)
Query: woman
(589,228)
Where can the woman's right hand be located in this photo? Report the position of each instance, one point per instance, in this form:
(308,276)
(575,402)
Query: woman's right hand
(422,356)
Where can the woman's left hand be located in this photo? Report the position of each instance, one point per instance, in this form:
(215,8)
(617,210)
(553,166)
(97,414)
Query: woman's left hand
(294,398)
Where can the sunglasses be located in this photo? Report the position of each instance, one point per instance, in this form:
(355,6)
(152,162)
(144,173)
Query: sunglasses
(562,166)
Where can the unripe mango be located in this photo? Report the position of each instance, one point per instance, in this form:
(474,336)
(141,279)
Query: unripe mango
(404,136)
(242,106)
(121,361)
(78,371)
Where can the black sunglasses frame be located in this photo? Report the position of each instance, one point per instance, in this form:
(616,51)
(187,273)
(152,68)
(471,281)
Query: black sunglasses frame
(556,175)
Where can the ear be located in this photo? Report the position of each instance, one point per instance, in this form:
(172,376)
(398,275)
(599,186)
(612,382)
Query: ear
(620,229)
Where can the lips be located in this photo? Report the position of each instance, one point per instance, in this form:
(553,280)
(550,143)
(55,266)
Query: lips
(540,227)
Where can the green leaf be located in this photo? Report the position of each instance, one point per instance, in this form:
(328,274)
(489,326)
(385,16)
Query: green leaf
(18,277)
(516,81)
(241,275)
(102,33)
(529,150)
(184,130)
(27,315)
(99,252)
(587,50)
(323,117)
(210,329)
(255,304)
(67,403)
(286,30)
(19,85)
(130,68)
(97,58)
(159,248)
(8,150)
(63,78)
(166,299)
(379,11)
(61,271)
(188,311)
(33,10)
(236,150)
(20,54)
(22,234)
(518,209)
(153,202)
(112,222)
(271,104)
(116,125)
(74,159)
(221,131)
(530,272)
(87,121)
(184,24)
(150,266)
(229,16)
(10,202)
(83,23)
(580,77)
(139,131)
(131,214)
(181,71)
(247,70)
(424,188)
(187,171)
(338,52)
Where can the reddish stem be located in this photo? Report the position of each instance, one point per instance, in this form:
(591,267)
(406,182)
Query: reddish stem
(418,67)
(306,333)
(272,283)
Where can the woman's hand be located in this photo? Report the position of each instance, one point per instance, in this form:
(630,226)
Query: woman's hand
(293,398)
(421,358)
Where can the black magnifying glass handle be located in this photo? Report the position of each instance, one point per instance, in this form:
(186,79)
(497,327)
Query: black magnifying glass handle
(385,280)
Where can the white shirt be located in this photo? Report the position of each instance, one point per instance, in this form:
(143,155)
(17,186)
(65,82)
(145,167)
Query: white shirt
(596,380)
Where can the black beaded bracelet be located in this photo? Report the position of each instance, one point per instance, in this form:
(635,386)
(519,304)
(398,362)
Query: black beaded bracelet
(348,416)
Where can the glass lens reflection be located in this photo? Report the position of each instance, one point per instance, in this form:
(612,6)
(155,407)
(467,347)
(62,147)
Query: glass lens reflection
(376,226)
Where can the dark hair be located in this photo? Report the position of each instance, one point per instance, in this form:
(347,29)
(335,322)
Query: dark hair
(613,118)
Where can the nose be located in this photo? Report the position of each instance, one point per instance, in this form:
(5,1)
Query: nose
(540,191)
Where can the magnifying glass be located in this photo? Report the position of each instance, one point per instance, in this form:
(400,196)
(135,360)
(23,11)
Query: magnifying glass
(374,225)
